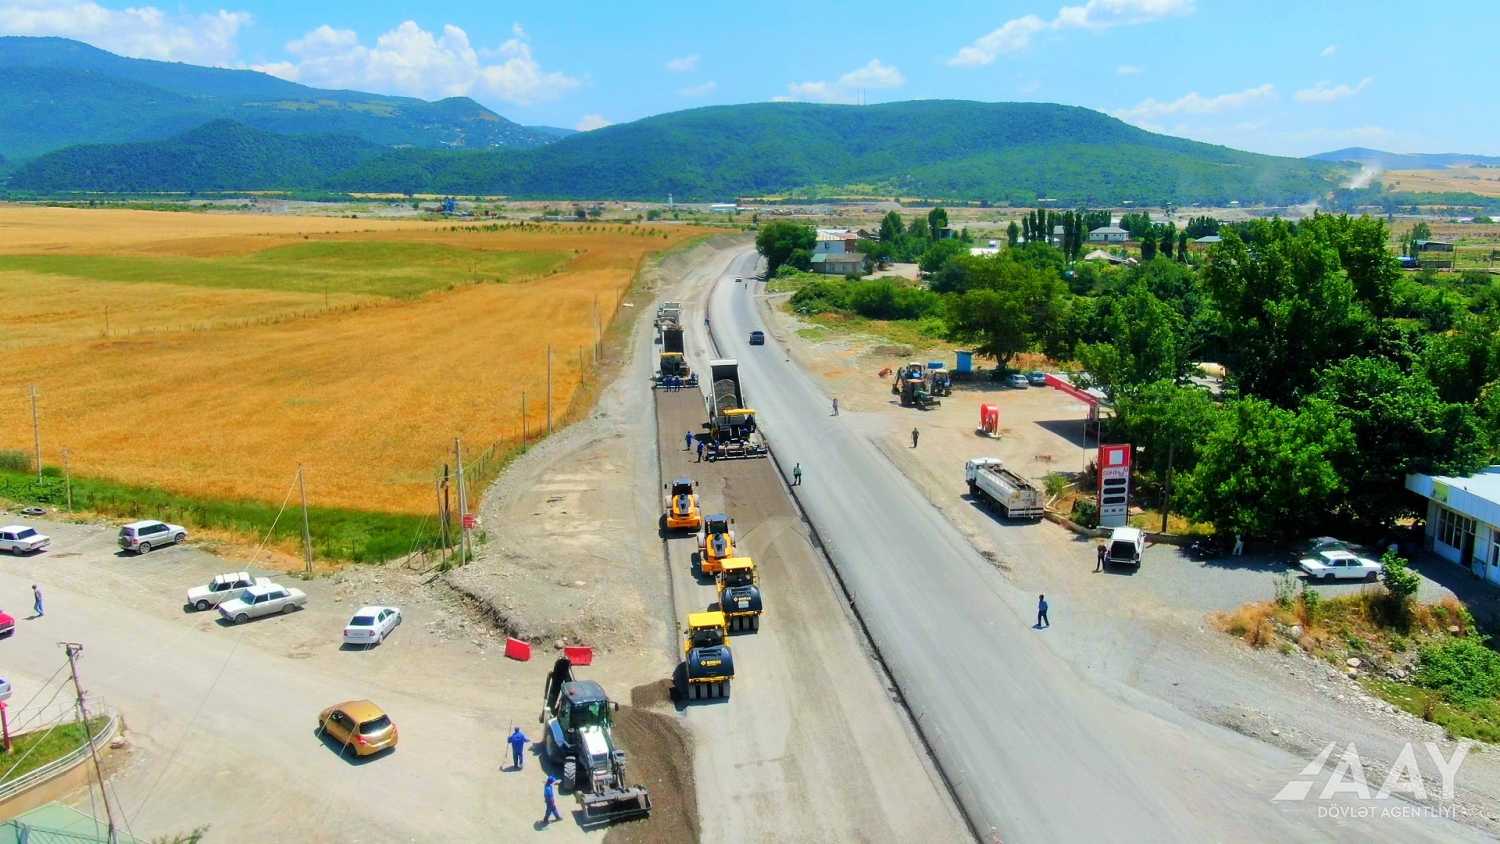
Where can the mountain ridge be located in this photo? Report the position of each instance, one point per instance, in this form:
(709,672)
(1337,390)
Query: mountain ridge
(1366,156)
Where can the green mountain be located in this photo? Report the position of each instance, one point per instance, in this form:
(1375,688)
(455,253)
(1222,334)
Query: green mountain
(999,152)
(1406,160)
(219,156)
(55,92)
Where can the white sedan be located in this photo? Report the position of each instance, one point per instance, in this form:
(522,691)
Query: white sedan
(19,539)
(222,588)
(261,600)
(1338,564)
(370,625)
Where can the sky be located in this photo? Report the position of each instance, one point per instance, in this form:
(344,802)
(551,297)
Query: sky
(1289,78)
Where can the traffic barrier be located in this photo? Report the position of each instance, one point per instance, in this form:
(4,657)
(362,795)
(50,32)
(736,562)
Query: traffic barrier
(579,655)
(517,649)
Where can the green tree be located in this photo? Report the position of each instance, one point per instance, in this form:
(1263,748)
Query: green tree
(1182,247)
(891,227)
(937,219)
(785,242)
(1148,244)
(1396,574)
(1169,420)
(1142,341)
(876,252)
(939,254)
(1007,308)
(1267,471)
(1012,233)
(1168,239)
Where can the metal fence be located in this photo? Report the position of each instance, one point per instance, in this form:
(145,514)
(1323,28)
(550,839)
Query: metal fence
(13,787)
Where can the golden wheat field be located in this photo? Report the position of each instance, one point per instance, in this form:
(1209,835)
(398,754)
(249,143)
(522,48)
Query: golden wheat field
(240,346)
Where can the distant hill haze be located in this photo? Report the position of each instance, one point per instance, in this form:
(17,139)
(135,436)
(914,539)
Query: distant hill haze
(1382,160)
(55,93)
(1010,153)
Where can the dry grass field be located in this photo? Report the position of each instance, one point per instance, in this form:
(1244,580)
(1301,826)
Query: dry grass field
(1484,181)
(241,346)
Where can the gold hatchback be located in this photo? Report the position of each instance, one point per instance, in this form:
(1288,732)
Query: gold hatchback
(358,724)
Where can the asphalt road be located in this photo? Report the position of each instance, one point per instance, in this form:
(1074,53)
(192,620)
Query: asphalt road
(811,745)
(1035,749)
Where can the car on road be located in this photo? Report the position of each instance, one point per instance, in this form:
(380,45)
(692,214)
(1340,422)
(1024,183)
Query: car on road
(1036,378)
(262,600)
(738,279)
(757,338)
(358,724)
(1338,564)
(370,625)
(222,588)
(1016,379)
(20,539)
(7,623)
(142,536)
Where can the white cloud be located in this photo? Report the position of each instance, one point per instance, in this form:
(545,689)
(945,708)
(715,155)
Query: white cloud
(873,75)
(1327,92)
(285,70)
(1128,70)
(138,31)
(683,64)
(1015,34)
(700,90)
(1195,103)
(411,60)
(590,122)
(1328,51)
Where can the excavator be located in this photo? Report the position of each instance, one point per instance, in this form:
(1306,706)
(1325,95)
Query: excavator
(715,543)
(708,664)
(739,593)
(578,718)
(682,505)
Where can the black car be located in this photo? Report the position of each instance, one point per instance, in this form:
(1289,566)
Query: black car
(757,338)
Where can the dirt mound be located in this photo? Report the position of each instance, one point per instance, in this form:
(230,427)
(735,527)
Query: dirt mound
(659,757)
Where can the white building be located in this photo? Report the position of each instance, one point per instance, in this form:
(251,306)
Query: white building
(836,242)
(1109,234)
(1463,519)
(724,208)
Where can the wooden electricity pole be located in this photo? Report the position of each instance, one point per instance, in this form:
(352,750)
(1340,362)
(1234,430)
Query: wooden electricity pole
(549,405)
(67,481)
(463,503)
(36,433)
(523,419)
(73,649)
(437,487)
(307,553)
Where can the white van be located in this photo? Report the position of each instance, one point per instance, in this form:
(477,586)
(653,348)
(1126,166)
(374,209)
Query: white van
(1125,546)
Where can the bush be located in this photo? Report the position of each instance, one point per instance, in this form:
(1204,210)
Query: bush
(1285,585)
(883,299)
(821,297)
(1464,670)
(1396,574)
(15,461)
(1086,513)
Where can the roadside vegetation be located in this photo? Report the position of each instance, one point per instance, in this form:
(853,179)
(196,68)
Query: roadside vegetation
(1341,376)
(32,750)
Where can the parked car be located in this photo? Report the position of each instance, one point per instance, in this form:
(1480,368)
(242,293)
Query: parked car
(757,338)
(1125,547)
(358,724)
(1016,379)
(370,625)
(141,537)
(7,623)
(1036,378)
(19,539)
(1338,564)
(222,588)
(262,600)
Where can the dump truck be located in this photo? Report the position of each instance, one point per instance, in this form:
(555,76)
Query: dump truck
(681,509)
(1016,497)
(739,593)
(578,721)
(914,393)
(911,371)
(731,424)
(708,664)
(715,542)
(672,363)
(668,313)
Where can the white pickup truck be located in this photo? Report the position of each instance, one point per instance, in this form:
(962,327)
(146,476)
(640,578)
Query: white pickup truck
(1016,496)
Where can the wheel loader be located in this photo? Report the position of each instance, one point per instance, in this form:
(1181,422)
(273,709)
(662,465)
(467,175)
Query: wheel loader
(715,542)
(682,505)
(906,373)
(578,719)
(708,664)
(739,593)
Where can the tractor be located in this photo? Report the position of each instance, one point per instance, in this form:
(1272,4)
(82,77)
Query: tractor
(708,664)
(739,593)
(682,505)
(715,543)
(914,393)
(578,718)
(907,373)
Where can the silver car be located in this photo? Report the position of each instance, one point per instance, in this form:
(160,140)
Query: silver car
(141,537)
(262,600)
(19,539)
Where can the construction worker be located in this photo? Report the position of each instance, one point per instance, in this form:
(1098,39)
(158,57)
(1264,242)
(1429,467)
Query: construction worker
(797,475)
(700,451)
(549,794)
(913,437)
(517,741)
(1041,612)
(1099,566)
(687,441)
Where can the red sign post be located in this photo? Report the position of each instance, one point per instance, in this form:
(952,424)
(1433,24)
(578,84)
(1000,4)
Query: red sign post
(1114,485)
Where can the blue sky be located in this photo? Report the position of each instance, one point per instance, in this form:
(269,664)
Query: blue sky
(1279,77)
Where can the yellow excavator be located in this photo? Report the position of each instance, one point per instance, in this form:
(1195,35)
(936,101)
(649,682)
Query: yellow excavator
(715,542)
(708,664)
(682,505)
(739,593)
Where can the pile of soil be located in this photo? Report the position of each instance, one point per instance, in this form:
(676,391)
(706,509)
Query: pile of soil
(659,756)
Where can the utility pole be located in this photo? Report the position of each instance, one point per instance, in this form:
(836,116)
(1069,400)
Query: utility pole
(106,320)
(73,649)
(463,503)
(1166,501)
(598,337)
(437,487)
(306,533)
(36,433)
(549,406)
(523,419)
(67,481)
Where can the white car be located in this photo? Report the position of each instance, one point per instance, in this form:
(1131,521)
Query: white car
(222,588)
(19,539)
(1338,564)
(370,625)
(141,537)
(262,600)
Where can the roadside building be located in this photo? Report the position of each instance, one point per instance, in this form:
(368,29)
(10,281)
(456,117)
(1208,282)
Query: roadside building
(835,242)
(1208,240)
(1435,254)
(1463,519)
(1101,255)
(838,263)
(724,208)
(1108,234)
